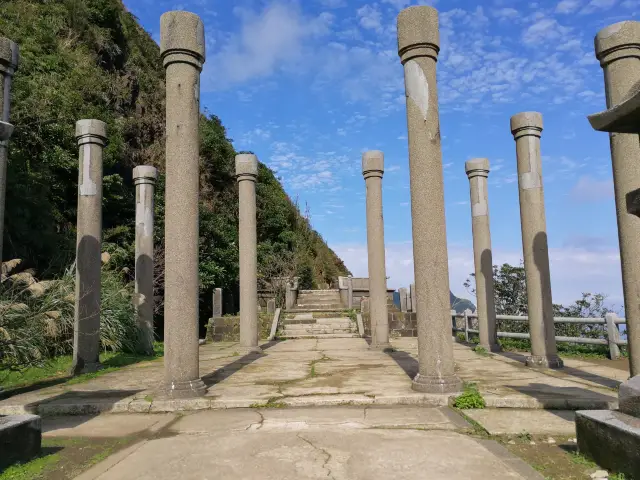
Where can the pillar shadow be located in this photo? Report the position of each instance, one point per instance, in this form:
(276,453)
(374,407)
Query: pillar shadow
(486,270)
(549,395)
(406,362)
(541,259)
(88,401)
(226,371)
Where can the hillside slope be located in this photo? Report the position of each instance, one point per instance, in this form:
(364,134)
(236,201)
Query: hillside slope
(91,59)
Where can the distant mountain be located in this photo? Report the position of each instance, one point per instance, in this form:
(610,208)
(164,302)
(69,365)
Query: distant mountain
(460,304)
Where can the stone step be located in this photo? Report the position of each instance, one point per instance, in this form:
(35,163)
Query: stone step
(325,335)
(319,300)
(319,292)
(334,306)
(298,309)
(337,331)
(307,323)
(314,326)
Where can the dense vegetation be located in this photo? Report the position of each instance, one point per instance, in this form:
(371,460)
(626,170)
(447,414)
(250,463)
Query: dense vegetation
(91,59)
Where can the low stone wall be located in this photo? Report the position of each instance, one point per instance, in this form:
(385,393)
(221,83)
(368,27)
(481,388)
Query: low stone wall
(401,324)
(227,328)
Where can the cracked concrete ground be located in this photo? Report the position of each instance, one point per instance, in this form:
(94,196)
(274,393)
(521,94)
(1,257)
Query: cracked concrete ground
(299,443)
(321,372)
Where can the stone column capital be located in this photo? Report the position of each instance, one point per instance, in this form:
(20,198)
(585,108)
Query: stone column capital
(91,131)
(372,164)
(477,167)
(418,33)
(182,39)
(617,41)
(526,123)
(246,167)
(9,56)
(145,174)
(6,130)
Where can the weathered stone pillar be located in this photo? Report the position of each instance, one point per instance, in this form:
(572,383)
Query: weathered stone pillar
(418,47)
(526,128)
(404,299)
(246,174)
(144,178)
(412,302)
(9,59)
(618,49)
(92,137)
(183,52)
(217,303)
(478,171)
(372,170)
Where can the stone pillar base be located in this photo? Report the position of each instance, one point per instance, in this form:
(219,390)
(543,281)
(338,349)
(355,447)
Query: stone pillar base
(451,384)
(86,368)
(492,348)
(544,361)
(186,389)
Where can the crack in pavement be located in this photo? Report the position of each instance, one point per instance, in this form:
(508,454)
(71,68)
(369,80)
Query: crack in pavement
(327,460)
(260,424)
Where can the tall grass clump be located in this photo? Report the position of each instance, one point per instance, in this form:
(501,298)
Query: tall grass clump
(36,318)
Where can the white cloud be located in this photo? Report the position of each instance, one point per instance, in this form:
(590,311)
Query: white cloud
(267,39)
(595,5)
(568,6)
(370,17)
(544,30)
(506,13)
(333,3)
(588,189)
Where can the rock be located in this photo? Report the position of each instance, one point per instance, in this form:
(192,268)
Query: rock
(600,474)
(573,440)
(202,341)
(511,442)
(105,257)
(629,397)
(551,440)
(532,442)
(13,307)
(10,266)
(36,289)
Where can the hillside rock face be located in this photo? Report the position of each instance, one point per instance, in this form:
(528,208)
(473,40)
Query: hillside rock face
(84,59)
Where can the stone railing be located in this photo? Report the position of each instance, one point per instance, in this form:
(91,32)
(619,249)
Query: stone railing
(611,320)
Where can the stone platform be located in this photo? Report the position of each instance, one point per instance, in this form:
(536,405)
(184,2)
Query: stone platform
(326,372)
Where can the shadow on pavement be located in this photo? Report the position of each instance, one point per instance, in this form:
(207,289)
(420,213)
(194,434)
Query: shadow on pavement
(225,372)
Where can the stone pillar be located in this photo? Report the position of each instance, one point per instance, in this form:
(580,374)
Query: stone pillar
(372,170)
(350,292)
(271,306)
(217,303)
(92,137)
(618,49)
(9,59)
(404,297)
(182,49)
(478,171)
(246,175)
(418,47)
(527,130)
(412,302)
(144,178)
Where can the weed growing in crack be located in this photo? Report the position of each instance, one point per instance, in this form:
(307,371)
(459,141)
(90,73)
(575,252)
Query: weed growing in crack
(470,398)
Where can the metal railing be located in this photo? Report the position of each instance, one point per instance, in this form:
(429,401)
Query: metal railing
(611,320)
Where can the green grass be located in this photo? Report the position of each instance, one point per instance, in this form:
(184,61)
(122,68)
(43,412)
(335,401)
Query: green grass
(30,470)
(481,351)
(59,367)
(470,398)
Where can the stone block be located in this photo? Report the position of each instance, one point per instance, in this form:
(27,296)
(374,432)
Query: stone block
(629,397)
(271,306)
(611,439)
(20,438)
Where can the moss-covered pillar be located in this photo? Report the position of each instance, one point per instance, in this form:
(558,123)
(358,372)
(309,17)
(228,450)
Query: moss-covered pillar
(182,48)
(92,137)
(372,170)
(618,49)
(526,128)
(477,170)
(9,59)
(144,179)
(246,175)
(418,47)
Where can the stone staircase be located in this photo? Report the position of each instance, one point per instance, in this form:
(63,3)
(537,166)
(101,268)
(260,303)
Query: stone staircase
(318,314)
(318,301)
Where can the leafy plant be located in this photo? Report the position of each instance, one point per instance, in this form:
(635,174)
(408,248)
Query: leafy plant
(470,398)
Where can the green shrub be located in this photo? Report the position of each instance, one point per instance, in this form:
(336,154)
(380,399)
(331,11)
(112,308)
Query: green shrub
(481,350)
(461,338)
(470,398)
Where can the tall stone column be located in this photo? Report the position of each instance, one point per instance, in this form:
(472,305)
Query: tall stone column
(246,174)
(183,52)
(478,171)
(526,128)
(372,170)
(418,47)
(144,178)
(9,59)
(618,49)
(92,137)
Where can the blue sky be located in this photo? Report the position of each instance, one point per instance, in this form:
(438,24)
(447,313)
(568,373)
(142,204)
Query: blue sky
(308,85)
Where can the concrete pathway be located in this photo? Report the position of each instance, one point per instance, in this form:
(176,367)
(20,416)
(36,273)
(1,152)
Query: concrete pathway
(321,372)
(337,443)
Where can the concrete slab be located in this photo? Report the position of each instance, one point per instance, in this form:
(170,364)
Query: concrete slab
(504,421)
(334,453)
(111,426)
